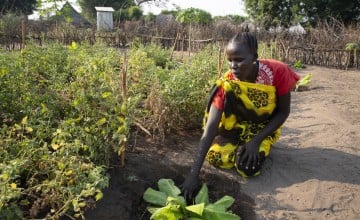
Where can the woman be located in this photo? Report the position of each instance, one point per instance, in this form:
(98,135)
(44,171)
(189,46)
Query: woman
(245,112)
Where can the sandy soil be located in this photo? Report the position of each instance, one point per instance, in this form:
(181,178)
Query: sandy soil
(313,172)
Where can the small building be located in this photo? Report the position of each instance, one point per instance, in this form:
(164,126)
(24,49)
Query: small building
(70,15)
(104,18)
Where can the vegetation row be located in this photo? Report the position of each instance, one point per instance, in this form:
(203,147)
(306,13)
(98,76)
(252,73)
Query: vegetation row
(65,110)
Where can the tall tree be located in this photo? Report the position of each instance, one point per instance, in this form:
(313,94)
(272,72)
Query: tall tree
(25,7)
(347,11)
(272,13)
(193,15)
(135,13)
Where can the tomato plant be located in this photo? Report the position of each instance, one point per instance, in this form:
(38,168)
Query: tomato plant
(60,119)
(63,113)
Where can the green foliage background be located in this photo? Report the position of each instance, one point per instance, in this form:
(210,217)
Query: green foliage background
(306,12)
(18,6)
(169,94)
(60,117)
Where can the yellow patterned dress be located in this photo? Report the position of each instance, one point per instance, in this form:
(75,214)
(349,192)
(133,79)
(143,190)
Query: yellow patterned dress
(247,110)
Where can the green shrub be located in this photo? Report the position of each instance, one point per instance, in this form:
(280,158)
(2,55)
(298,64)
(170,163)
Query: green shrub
(60,120)
(62,114)
(166,95)
(298,65)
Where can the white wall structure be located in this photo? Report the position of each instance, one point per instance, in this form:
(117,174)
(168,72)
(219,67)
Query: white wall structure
(297,29)
(104,18)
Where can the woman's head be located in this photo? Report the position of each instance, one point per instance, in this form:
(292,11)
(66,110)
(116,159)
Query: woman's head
(246,39)
(241,53)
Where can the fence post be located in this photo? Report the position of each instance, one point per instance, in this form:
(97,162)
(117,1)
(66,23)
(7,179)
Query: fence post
(189,39)
(174,45)
(182,47)
(121,151)
(23,32)
(220,62)
(356,52)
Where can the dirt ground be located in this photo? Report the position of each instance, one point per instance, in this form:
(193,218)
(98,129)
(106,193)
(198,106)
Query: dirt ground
(313,171)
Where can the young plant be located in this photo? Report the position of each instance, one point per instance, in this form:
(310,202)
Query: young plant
(167,203)
(298,65)
(303,83)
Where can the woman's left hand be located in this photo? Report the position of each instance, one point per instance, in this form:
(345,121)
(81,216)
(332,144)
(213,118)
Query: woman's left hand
(248,155)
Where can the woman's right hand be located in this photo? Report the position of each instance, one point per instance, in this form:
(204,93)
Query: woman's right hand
(192,183)
(189,187)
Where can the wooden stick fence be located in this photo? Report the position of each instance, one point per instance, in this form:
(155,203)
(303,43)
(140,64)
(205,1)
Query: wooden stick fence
(336,58)
(342,59)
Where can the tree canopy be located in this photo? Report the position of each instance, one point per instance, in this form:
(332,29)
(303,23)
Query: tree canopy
(25,7)
(347,11)
(131,13)
(193,15)
(272,13)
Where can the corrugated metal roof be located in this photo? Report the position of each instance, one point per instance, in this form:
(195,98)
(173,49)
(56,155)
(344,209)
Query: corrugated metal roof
(108,9)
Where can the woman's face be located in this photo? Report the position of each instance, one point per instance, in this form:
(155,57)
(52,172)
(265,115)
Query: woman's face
(241,61)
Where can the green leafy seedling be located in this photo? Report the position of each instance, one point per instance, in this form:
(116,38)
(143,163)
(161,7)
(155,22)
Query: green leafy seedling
(167,203)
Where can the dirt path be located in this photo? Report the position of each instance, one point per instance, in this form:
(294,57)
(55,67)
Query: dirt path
(313,172)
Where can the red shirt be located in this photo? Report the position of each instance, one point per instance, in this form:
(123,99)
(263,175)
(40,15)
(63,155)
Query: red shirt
(271,72)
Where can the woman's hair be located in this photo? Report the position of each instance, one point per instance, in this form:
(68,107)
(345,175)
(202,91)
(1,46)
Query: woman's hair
(247,39)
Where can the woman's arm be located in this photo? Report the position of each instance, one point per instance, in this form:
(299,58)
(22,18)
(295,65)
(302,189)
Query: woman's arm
(281,113)
(278,118)
(210,131)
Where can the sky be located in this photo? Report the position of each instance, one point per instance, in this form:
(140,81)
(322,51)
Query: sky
(214,7)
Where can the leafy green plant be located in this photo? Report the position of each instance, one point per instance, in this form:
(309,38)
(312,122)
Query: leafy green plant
(298,64)
(352,48)
(60,119)
(167,203)
(62,115)
(303,83)
(165,95)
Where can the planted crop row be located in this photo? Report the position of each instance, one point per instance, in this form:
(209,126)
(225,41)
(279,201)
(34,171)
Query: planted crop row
(64,112)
